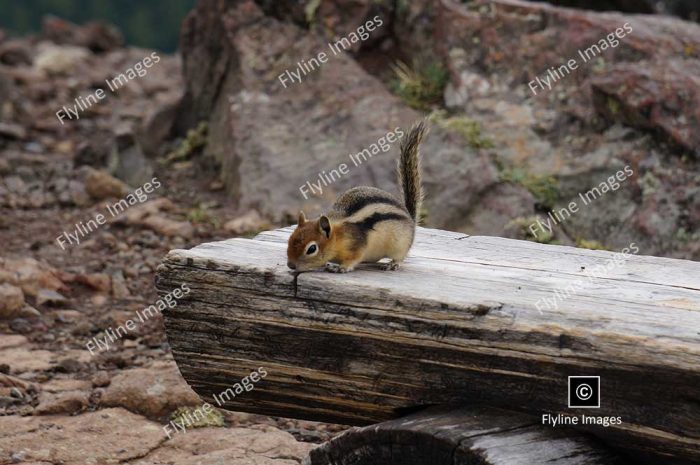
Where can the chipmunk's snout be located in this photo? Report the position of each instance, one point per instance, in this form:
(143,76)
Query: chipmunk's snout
(292,265)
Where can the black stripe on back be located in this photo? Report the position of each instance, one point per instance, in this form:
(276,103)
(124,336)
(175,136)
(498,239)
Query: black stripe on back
(362,201)
(368,223)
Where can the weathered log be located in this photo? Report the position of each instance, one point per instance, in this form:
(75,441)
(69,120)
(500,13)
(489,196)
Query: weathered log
(465,436)
(458,323)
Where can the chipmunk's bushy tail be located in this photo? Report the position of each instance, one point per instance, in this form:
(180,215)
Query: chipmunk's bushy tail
(410,171)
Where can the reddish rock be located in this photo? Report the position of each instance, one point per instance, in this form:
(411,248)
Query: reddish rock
(29,274)
(105,436)
(12,131)
(661,96)
(98,281)
(151,214)
(49,297)
(12,340)
(246,223)
(23,359)
(264,445)
(101,379)
(15,52)
(11,300)
(101,185)
(65,402)
(66,384)
(95,35)
(155,391)
(60,60)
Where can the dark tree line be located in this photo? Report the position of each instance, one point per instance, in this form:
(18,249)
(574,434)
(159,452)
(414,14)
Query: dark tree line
(152,24)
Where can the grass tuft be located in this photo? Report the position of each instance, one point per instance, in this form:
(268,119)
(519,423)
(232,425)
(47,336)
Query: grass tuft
(590,244)
(420,86)
(468,128)
(545,189)
(197,417)
(196,139)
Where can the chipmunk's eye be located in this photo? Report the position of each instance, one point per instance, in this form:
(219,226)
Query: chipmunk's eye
(311,249)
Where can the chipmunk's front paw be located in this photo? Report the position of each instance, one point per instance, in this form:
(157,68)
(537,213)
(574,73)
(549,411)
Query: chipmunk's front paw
(335,268)
(391,266)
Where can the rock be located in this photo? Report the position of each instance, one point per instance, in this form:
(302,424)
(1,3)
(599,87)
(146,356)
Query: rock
(69,365)
(620,109)
(687,9)
(264,445)
(628,6)
(12,131)
(264,165)
(99,300)
(7,402)
(65,384)
(49,297)
(101,379)
(29,274)
(96,36)
(66,402)
(137,213)
(77,193)
(119,288)
(155,391)
(105,436)
(59,30)
(150,215)
(496,209)
(102,37)
(27,311)
(100,185)
(169,227)
(61,60)
(159,124)
(68,316)
(16,185)
(126,159)
(94,152)
(11,340)
(99,281)
(246,223)
(23,359)
(12,381)
(15,52)
(11,300)
(662,98)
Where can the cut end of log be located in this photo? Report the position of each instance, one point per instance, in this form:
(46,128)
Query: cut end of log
(462,436)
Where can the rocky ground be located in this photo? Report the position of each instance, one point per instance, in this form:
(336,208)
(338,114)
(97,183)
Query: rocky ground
(59,404)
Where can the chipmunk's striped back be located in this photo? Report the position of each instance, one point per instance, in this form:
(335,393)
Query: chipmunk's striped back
(365,224)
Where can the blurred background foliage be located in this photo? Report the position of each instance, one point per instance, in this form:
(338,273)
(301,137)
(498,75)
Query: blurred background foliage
(149,24)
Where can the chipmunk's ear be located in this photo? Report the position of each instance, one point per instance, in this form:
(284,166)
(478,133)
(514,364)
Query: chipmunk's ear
(324,225)
(302,219)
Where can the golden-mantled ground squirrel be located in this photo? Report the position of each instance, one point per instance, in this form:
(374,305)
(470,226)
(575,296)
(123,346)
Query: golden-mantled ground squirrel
(365,224)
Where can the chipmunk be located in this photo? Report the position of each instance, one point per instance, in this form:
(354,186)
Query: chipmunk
(365,224)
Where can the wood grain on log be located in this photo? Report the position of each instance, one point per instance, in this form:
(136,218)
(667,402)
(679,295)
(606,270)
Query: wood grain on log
(466,436)
(458,323)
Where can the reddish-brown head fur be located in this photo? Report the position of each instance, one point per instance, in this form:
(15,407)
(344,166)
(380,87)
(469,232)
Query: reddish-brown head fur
(309,244)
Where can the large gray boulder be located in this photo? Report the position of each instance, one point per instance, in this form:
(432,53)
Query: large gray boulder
(271,140)
(620,109)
